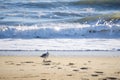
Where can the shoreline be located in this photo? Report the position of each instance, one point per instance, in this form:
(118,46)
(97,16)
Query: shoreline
(63,53)
(59,68)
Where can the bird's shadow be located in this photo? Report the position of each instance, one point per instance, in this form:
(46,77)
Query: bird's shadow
(47,62)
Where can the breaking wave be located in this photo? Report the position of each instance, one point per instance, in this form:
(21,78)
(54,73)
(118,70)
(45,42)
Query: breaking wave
(61,30)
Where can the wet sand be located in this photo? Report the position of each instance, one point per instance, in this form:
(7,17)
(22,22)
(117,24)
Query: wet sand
(59,68)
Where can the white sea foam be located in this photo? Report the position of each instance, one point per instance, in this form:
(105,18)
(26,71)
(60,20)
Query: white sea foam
(60,44)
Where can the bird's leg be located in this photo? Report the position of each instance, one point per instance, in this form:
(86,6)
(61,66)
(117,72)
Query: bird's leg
(44,60)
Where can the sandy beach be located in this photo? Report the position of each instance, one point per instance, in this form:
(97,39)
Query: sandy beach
(59,68)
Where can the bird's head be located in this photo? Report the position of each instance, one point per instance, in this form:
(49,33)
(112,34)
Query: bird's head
(47,52)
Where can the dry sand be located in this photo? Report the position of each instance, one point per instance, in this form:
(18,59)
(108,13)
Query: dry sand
(59,68)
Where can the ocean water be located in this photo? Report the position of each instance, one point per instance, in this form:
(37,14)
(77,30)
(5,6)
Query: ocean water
(70,25)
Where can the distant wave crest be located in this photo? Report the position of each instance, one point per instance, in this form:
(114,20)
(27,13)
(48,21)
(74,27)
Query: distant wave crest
(96,2)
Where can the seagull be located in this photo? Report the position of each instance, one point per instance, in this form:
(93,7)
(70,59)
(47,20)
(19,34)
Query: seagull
(45,55)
